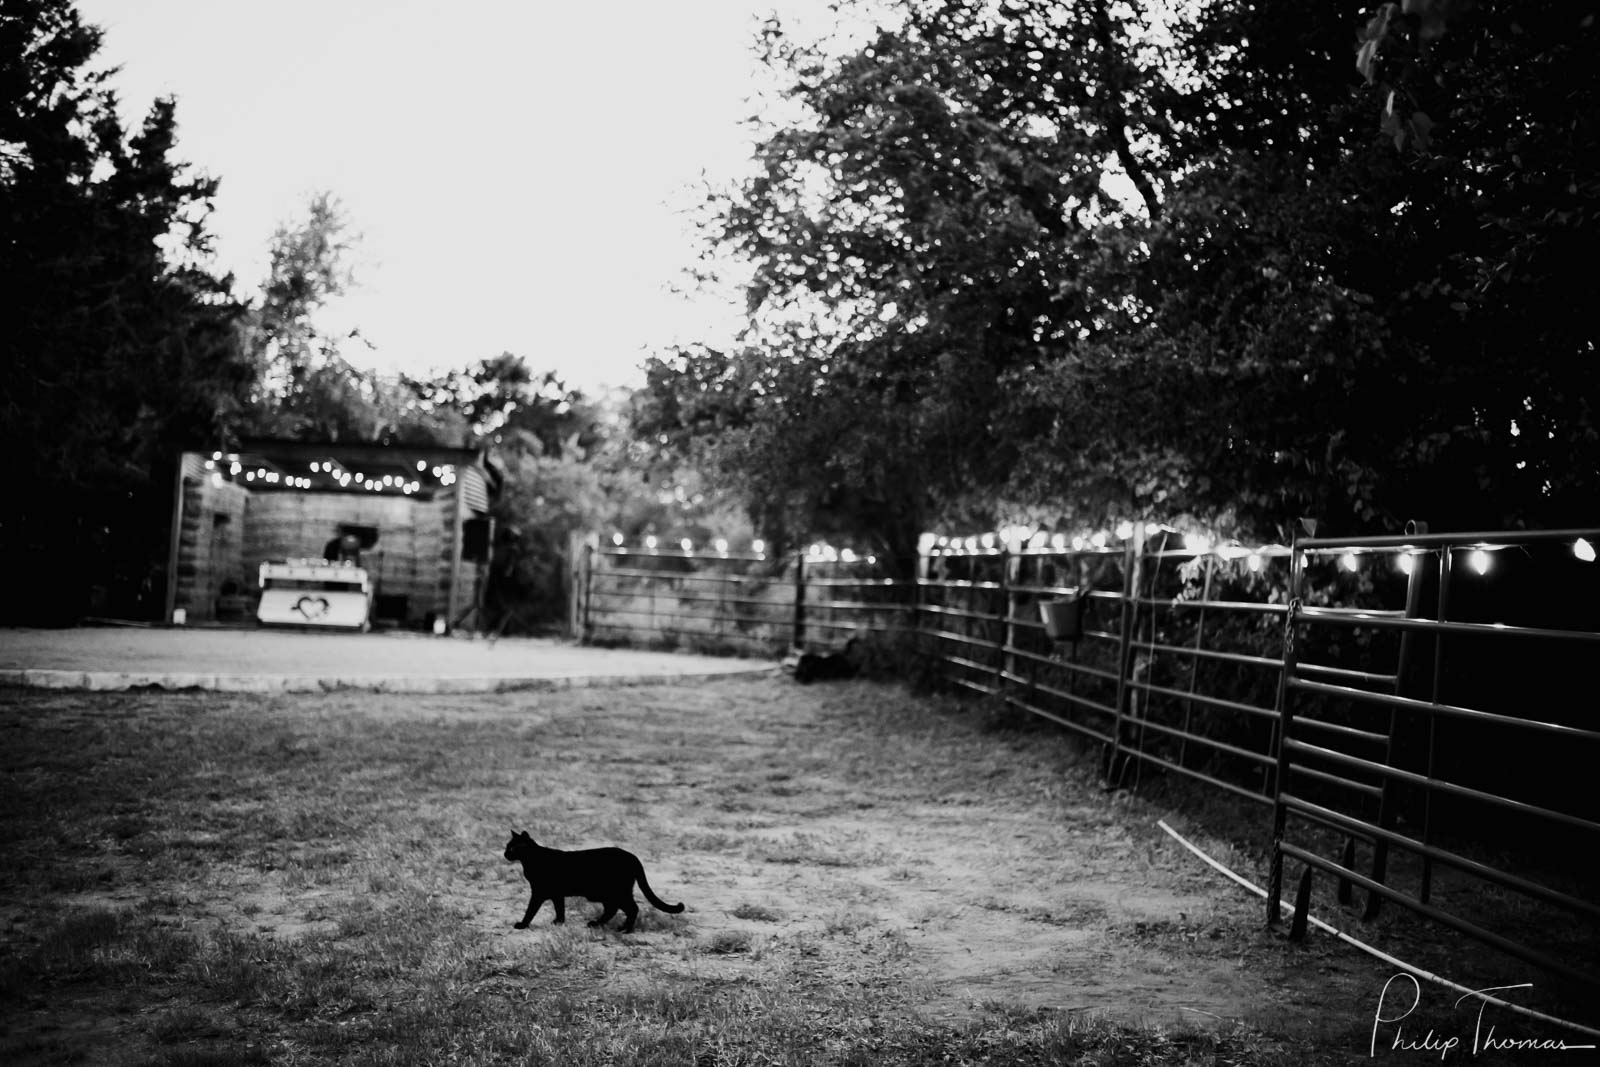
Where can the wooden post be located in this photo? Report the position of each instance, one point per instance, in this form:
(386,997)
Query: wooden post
(1008,598)
(172,546)
(1280,812)
(799,638)
(456,545)
(1392,752)
(1132,564)
(1302,907)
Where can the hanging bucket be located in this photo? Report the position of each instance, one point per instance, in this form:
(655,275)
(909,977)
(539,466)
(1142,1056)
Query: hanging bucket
(1063,617)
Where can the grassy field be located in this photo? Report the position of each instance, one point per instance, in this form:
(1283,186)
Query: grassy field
(872,877)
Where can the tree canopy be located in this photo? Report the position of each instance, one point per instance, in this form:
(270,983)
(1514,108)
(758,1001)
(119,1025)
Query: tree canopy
(1220,263)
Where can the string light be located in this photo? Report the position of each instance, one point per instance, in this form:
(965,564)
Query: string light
(1478,560)
(650,542)
(1124,530)
(617,538)
(1583,550)
(722,546)
(758,546)
(1406,561)
(1254,562)
(687,545)
(1348,562)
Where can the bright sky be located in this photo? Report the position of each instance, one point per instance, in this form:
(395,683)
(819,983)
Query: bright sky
(517,170)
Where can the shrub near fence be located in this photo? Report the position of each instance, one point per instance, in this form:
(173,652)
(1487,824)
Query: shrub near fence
(1414,714)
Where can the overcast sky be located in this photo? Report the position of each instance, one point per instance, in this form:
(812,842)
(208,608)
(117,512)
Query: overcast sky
(517,171)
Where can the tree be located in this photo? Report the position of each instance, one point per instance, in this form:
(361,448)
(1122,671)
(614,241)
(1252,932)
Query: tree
(306,389)
(121,346)
(914,240)
(1327,322)
(1292,310)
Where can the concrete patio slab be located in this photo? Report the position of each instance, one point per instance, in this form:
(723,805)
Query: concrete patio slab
(266,661)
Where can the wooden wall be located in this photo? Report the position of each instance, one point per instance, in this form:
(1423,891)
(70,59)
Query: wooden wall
(211,530)
(410,559)
(226,531)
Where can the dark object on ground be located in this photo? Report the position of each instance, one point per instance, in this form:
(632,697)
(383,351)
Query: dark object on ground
(814,666)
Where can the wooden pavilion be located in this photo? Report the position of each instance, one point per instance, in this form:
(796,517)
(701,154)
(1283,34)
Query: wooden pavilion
(416,518)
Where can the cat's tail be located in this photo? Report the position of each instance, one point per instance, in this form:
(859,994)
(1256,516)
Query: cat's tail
(655,901)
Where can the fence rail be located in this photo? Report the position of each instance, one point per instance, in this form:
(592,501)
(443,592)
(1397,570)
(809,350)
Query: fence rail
(1415,712)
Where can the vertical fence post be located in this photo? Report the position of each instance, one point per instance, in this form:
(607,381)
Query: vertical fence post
(1194,661)
(1445,564)
(584,588)
(799,598)
(1132,565)
(1006,600)
(1392,751)
(1285,718)
(923,572)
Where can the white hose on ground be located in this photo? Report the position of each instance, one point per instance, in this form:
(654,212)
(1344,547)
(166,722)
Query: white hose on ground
(1384,956)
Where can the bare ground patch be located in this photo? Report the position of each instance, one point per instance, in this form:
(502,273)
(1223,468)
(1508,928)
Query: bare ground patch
(314,878)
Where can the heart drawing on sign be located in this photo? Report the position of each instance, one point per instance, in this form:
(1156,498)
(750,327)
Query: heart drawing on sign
(312,607)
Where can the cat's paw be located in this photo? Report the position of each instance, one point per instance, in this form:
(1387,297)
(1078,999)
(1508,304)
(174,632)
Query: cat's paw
(594,922)
(521,925)
(557,922)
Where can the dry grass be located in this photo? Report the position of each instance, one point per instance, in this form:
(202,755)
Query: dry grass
(871,877)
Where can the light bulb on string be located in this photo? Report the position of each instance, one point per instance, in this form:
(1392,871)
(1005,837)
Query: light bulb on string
(1406,562)
(1583,550)
(1349,562)
(1254,562)
(1478,560)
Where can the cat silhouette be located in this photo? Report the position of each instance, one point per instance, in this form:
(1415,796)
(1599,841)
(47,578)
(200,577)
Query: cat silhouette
(603,875)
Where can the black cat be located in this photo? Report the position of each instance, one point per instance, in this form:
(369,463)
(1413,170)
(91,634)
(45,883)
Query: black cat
(603,875)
